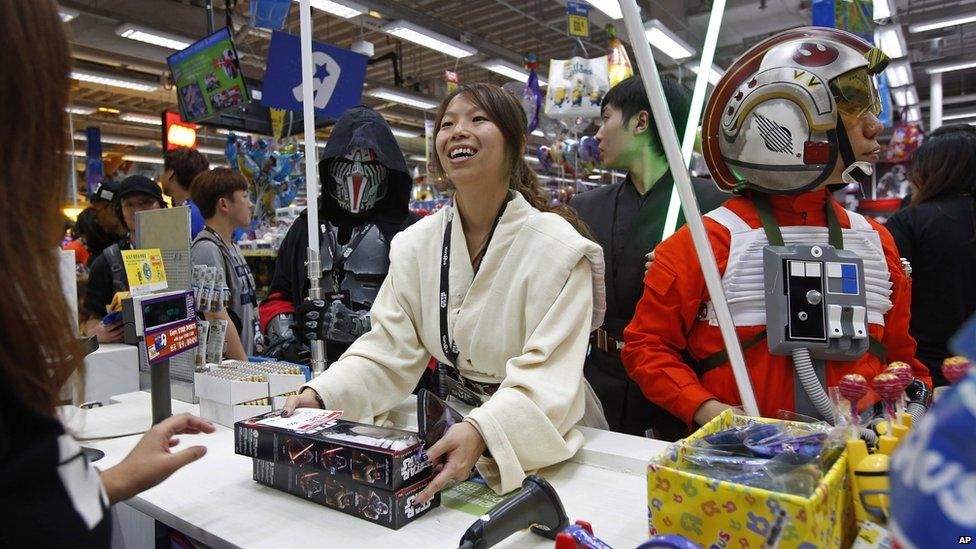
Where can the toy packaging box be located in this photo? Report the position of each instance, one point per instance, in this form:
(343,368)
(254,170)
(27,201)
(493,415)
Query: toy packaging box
(725,514)
(383,458)
(390,508)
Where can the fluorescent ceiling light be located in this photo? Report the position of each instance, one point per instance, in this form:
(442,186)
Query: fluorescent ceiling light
(891,40)
(417,158)
(951,66)
(668,42)
(116,140)
(899,74)
(531,159)
(959,115)
(255,95)
(238,133)
(142,118)
(405,132)
(340,8)
(914,114)
(942,22)
(538,133)
(402,97)
(511,70)
(154,37)
(321,144)
(146,159)
(117,81)
(67,14)
(84,111)
(714,75)
(611,8)
(904,97)
(428,38)
(882,10)
(211,150)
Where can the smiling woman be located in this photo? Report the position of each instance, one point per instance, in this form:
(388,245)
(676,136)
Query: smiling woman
(501,289)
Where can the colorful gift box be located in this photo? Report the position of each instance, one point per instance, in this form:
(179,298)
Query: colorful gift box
(718,513)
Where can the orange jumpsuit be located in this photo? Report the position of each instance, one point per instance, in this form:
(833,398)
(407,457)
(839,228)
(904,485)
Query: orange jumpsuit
(668,320)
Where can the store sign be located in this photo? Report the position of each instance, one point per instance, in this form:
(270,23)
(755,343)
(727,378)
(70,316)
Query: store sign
(452,81)
(337,76)
(144,271)
(579,18)
(177,133)
(163,343)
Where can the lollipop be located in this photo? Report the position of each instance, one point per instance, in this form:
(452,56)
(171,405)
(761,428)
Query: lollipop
(888,386)
(853,387)
(955,367)
(904,373)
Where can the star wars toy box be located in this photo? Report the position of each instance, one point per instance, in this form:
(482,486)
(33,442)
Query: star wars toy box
(390,508)
(377,457)
(720,513)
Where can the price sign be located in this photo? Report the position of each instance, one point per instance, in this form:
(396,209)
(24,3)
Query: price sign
(579,18)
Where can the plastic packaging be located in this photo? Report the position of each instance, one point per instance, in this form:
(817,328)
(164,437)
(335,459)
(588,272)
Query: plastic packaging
(215,341)
(203,329)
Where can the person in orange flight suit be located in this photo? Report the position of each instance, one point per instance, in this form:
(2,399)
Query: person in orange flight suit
(813,83)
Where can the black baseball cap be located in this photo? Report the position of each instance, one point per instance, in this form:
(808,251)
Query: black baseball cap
(106,190)
(140,184)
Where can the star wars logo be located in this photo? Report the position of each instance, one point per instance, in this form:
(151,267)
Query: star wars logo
(412,466)
(409,509)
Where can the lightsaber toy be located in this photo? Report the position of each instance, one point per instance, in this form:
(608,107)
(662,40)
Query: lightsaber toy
(311,176)
(689,204)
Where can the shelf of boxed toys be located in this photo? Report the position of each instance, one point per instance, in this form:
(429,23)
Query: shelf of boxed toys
(216,502)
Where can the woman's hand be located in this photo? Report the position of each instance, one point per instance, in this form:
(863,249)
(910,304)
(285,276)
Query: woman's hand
(463,446)
(151,461)
(306,399)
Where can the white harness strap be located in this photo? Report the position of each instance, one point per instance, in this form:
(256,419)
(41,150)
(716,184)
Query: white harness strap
(743,279)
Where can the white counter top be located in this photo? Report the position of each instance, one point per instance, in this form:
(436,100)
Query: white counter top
(215,501)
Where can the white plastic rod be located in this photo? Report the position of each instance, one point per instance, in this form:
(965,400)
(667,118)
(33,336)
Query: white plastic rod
(311,175)
(697,102)
(935,105)
(689,204)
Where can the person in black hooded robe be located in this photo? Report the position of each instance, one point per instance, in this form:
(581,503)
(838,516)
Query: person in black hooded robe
(364,203)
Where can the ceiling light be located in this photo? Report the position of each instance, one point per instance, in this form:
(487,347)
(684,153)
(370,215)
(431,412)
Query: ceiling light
(402,97)
(117,81)
(211,150)
(154,37)
(511,70)
(668,42)
(428,38)
(611,8)
(882,10)
(714,75)
(904,97)
(942,22)
(340,8)
(67,14)
(116,140)
(538,133)
(238,133)
(405,132)
(84,111)
(417,158)
(147,159)
(914,114)
(142,118)
(891,40)
(951,66)
(959,115)
(531,159)
(899,74)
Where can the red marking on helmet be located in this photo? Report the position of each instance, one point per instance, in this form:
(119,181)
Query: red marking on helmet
(729,111)
(739,96)
(752,83)
(816,152)
(815,54)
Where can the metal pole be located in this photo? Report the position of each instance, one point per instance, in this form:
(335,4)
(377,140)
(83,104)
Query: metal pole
(689,204)
(935,105)
(697,102)
(311,175)
(208,8)
(159,389)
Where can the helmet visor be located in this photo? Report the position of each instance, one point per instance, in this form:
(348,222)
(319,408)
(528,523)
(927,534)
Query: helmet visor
(856,93)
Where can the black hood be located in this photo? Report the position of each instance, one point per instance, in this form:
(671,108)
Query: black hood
(362,127)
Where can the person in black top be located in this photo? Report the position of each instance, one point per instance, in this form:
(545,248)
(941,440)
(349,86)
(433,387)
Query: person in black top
(50,496)
(937,235)
(627,219)
(136,193)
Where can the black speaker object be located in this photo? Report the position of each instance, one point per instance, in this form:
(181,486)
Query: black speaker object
(536,506)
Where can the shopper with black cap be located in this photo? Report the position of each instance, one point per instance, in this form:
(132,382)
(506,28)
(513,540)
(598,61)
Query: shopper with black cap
(136,193)
(103,202)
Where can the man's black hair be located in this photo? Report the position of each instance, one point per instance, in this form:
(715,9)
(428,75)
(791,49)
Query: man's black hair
(630,98)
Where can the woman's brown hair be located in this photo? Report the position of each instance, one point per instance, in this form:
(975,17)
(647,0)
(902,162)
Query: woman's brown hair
(945,164)
(506,112)
(38,348)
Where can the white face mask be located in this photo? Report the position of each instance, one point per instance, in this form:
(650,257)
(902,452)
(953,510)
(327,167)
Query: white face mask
(359,180)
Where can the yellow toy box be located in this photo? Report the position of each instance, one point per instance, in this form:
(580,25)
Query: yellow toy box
(718,513)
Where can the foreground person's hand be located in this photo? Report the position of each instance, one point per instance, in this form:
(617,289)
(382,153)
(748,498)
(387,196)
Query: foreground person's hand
(151,461)
(463,446)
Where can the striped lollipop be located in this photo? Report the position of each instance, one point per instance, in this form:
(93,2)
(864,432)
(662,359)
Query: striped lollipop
(903,371)
(853,387)
(955,367)
(888,386)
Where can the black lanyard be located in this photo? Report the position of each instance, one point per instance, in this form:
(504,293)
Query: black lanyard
(339,259)
(447,343)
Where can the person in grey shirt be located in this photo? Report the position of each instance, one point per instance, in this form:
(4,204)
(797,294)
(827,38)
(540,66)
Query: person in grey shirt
(222,196)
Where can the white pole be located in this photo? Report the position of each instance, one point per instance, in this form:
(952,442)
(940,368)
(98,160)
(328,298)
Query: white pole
(689,204)
(311,174)
(697,102)
(935,102)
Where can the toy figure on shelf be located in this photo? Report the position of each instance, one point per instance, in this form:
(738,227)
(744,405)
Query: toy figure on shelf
(271,170)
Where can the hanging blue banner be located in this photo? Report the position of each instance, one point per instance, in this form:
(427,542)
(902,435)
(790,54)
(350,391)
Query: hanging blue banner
(337,79)
(94,170)
(269,14)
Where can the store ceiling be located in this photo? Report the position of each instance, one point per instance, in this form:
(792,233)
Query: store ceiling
(498,28)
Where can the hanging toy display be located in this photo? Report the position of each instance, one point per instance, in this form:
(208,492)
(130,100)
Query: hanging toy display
(618,62)
(532,93)
(272,169)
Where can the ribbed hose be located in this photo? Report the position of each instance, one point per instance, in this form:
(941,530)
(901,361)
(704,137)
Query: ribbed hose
(917,411)
(811,384)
